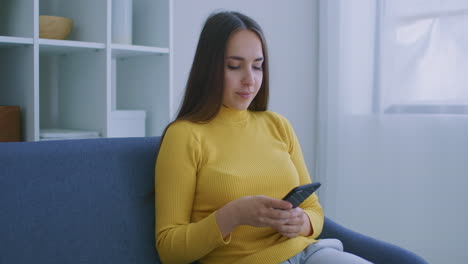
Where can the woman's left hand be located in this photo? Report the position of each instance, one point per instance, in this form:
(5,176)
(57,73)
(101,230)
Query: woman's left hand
(297,225)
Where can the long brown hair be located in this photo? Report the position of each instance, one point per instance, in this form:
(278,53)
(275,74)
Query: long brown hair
(205,86)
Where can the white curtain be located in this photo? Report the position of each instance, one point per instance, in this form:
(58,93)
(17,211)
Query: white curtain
(423,56)
(393,131)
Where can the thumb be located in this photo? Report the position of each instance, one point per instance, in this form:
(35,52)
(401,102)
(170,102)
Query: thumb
(280,204)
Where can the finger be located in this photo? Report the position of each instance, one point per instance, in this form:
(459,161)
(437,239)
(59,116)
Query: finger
(294,221)
(289,228)
(298,210)
(299,219)
(276,224)
(289,234)
(298,214)
(295,212)
(279,204)
(278,214)
(274,217)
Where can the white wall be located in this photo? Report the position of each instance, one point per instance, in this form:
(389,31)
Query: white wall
(291,30)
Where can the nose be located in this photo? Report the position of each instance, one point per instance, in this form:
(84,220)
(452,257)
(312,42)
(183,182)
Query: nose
(248,78)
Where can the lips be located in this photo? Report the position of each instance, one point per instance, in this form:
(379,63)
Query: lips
(244,95)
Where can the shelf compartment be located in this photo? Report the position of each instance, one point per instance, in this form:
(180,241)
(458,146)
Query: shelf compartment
(67,84)
(72,91)
(6,41)
(17,85)
(151,26)
(120,50)
(16,18)
(142,83)
(89,17)
(52,46)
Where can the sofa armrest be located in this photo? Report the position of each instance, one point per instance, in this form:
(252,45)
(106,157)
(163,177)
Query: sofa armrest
(374,250)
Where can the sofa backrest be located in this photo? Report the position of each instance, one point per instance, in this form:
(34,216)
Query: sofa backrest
(78,201)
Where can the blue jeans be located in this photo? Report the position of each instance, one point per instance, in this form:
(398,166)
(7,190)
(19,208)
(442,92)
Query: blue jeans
(325,251)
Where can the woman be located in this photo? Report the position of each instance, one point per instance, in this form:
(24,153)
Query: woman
(225,163)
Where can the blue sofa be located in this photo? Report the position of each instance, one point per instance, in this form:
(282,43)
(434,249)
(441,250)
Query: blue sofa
(92,201)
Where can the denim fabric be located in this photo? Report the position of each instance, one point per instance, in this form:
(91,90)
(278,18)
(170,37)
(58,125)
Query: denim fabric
(326,251)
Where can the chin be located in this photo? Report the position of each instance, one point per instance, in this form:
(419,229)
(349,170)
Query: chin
(238,105)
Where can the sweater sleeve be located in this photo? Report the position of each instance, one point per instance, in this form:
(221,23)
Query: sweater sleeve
(177,239)
(311,205)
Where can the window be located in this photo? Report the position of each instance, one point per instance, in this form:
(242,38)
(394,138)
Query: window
(423,56)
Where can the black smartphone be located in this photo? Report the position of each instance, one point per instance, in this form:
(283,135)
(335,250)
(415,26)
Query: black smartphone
(298,194)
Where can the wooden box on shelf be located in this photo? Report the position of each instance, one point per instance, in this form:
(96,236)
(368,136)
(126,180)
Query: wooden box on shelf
(9,124)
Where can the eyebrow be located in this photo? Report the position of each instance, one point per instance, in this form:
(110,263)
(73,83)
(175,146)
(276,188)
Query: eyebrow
(242,59)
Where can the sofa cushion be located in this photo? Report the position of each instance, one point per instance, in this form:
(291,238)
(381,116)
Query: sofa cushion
(78,201)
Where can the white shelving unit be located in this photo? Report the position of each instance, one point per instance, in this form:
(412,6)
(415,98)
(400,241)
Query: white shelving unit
(87,82)
(14,41)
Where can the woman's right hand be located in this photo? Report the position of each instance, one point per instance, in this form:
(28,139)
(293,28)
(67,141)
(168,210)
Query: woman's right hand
(258,211)
(262,211)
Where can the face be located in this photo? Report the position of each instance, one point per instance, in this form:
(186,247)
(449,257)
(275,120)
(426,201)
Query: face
(243,69)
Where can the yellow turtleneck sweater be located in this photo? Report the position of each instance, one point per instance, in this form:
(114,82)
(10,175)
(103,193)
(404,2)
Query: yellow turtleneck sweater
(201,167)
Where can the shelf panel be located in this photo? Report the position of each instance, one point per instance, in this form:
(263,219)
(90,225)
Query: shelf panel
(14,41)
(53,46)
(64,134)
(122,51)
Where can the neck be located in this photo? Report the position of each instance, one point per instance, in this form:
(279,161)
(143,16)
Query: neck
(227,114)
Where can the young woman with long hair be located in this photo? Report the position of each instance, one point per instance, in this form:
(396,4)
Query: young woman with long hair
(225,163)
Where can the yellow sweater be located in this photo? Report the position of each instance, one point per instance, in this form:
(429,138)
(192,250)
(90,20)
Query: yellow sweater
(201,167)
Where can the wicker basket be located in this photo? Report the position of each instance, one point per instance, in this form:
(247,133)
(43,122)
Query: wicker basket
(54,27)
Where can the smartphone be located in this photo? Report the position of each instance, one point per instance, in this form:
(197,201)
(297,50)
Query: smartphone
(298,194)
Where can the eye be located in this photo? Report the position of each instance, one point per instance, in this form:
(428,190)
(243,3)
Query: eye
(233,67)
(258,68)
